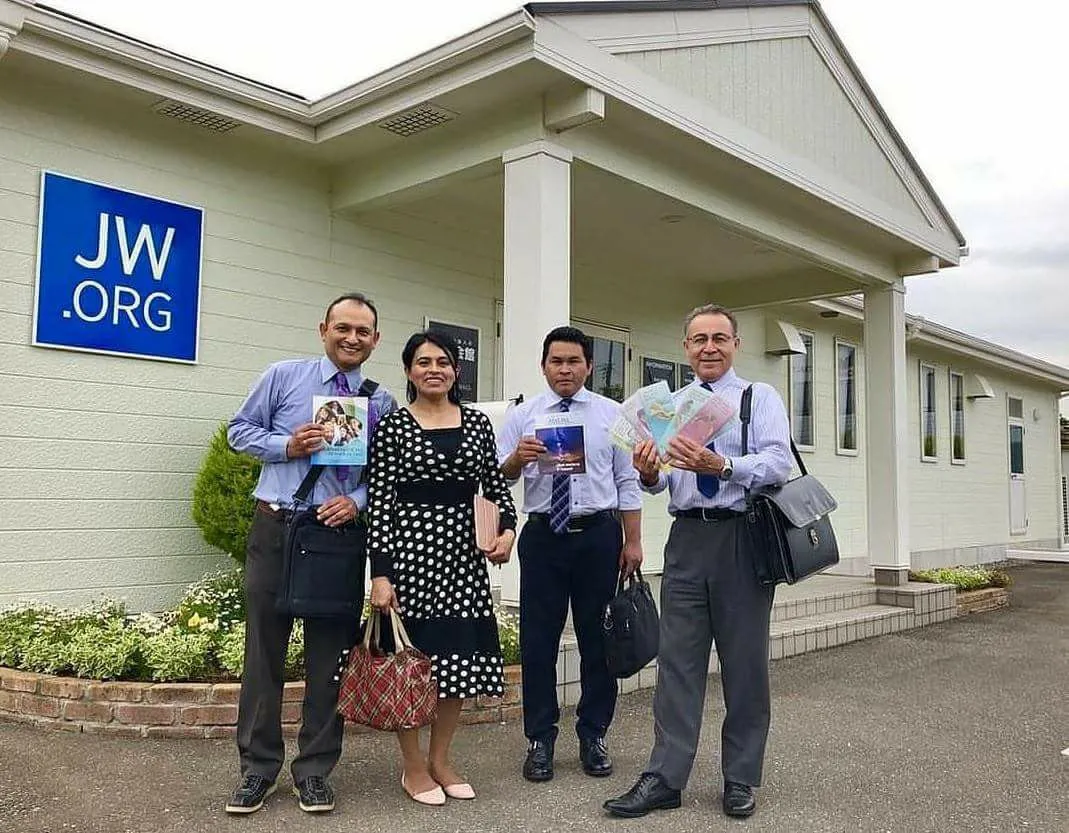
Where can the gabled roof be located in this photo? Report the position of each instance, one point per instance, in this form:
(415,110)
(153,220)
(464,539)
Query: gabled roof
(627,6)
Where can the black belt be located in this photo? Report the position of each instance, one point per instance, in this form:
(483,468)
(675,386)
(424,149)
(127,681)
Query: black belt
(578,523)
(708,515)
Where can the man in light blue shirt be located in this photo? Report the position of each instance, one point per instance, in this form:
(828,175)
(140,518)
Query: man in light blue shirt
(275,424)
(709,588)
(582,529)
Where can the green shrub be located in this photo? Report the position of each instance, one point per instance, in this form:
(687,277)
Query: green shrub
(18,627)
(174,655)
(223,504)
(214,604)
(106,652)
(295,652)
(230,651)
(964,578)
(508,632)
(50,640)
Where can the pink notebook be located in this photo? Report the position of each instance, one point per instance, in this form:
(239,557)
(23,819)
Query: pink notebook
(487,517)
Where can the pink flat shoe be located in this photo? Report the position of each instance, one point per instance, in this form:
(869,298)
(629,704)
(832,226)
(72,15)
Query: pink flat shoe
(464,792)
(431,798)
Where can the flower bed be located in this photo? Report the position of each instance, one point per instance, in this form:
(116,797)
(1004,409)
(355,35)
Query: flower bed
(979,589)
(97,669)
(176,710)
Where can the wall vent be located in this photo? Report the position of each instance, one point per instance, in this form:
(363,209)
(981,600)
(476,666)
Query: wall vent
(195,115)
(416,120)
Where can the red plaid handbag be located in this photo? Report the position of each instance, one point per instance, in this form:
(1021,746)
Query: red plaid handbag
(388,691)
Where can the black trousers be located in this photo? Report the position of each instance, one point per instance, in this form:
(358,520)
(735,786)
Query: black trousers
(581,567)
(267,633)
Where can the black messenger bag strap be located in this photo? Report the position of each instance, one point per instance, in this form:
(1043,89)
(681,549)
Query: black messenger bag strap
(744,416)
(367,388)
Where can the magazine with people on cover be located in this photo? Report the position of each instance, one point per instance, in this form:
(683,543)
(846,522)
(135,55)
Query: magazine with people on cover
(344,423)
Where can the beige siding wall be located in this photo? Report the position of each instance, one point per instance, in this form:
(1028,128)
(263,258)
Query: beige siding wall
(958,513)
(94,500)
(782,89)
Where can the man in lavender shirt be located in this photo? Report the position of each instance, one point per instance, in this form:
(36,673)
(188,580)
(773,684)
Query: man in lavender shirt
(709,589)
(275,425)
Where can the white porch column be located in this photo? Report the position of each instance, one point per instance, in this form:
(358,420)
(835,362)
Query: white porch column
(887,433)
(538,203)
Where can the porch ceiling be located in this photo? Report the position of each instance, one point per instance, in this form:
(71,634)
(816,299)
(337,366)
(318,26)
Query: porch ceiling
(624,232)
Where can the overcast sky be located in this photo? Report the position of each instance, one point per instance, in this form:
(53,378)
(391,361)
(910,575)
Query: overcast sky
(976,87)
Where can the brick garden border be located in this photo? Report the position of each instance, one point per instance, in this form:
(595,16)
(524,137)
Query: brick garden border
(177,710)
(981,601)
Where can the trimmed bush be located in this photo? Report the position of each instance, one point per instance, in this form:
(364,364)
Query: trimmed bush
(964,578)
(173,655)
(508,632)
(223,504)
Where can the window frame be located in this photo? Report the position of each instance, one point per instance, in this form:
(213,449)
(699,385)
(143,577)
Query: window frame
(926,367)
(955,460)
(812,367)
(839,448)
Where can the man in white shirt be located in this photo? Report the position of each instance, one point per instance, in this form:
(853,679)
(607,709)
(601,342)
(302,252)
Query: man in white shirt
(710,590)
(581,530)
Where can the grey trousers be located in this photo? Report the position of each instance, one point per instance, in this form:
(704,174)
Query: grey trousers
(709,592)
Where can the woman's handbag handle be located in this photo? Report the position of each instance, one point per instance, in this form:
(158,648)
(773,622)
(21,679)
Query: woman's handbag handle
(401,639)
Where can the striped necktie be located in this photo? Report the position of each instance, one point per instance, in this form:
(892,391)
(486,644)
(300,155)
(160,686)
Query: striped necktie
(560,501)
(708,484)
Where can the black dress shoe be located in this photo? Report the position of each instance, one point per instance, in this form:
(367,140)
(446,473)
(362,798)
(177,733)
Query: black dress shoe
(314,794)
(649,793)
(595,757)
(739,800)
(539,763)
(249,795)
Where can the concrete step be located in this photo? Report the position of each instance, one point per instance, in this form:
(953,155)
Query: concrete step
(821,602)
(790,637)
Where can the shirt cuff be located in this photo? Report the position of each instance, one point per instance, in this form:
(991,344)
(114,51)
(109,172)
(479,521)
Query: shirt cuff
(656,488)
(276,448)
(359,497)
(742,470)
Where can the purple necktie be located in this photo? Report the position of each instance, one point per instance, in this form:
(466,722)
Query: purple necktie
(341,388)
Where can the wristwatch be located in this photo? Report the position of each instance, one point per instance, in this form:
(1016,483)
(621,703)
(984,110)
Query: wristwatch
(727,470)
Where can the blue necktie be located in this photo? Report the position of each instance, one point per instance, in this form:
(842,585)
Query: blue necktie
(560,501)
(341,388)
(708,484)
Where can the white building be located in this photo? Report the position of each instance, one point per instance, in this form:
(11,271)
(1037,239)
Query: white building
(613,164)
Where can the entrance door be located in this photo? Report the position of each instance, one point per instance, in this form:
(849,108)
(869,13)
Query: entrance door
(1018,502)
(611,375)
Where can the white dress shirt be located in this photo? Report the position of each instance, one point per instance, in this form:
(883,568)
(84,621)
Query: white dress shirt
(766,462)
(610,481)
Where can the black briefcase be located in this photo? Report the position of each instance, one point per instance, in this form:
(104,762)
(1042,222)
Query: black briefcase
(322,568)
(631,627)
(789,530)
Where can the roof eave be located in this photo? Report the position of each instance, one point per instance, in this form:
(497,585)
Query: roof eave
(938,335)
(66,39)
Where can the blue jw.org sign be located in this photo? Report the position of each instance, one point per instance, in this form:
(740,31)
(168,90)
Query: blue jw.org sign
(117,272)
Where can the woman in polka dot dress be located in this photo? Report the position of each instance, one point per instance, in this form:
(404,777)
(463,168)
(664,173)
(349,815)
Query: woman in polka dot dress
(427,462)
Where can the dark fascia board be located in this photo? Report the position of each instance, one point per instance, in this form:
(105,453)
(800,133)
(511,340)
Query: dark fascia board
(611,6)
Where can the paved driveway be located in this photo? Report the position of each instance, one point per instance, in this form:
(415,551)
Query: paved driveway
(954,727)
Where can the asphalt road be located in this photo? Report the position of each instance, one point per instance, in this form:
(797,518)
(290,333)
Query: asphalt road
(954,727)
